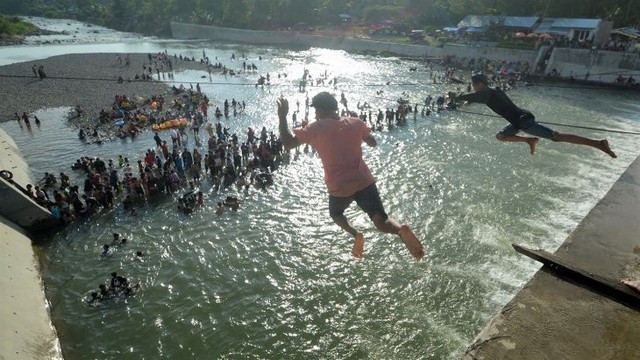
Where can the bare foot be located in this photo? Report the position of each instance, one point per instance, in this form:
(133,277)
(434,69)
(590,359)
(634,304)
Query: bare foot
(411,241)
(358,246)
(633,284)
(533,142)
(604,146)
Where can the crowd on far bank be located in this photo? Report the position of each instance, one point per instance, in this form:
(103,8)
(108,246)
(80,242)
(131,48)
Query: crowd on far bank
(613,44)
(519,70)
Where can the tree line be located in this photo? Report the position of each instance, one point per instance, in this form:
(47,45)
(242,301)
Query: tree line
(152,17)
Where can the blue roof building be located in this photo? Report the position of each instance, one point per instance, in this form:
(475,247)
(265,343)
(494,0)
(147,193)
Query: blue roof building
(595,30)
(516,23)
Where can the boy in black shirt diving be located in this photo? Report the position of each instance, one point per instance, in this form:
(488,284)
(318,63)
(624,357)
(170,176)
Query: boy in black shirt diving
(522,120)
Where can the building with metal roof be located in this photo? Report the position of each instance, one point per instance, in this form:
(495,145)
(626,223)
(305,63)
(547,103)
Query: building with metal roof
(629,32)
(594,30)
(575,29)
(563,26)
(521,23)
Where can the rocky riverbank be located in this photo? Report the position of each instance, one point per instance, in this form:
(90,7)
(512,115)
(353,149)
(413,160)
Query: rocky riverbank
(88,80)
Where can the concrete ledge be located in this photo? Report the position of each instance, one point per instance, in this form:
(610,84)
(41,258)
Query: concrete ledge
(602,66)
(25,331)
(554,319)
(15,204)
(12,160)
(22,210)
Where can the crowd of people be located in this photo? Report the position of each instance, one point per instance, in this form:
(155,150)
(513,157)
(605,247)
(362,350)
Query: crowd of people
(118,286)
(619,44)
(172,165)
(176,168)
(169,166)
(227,162)
(518,70)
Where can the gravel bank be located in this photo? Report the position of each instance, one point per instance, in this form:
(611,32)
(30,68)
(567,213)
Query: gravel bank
(22,91)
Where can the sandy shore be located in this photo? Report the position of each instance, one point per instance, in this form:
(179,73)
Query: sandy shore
(22,91)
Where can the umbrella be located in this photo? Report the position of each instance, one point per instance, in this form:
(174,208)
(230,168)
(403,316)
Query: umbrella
(532,35)
(545,36)
(519,35)
(402,101)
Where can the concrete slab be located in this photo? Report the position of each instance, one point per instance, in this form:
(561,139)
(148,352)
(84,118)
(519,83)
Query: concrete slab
(12,160)
(26,332)
(22,210)
(15,204)
(554,319)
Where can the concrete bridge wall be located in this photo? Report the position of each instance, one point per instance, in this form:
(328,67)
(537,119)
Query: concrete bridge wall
(26,331)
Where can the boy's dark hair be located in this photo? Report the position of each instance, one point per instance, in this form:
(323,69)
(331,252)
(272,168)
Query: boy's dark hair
(479,78)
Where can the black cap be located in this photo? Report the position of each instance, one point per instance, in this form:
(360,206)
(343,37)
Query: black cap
(479,78)
(324,101)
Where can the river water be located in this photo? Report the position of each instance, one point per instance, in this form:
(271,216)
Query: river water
(275,280)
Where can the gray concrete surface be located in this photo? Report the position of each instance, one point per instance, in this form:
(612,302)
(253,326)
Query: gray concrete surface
(11,160)
(21,209)
(25,329)
(16,205)
(554,319)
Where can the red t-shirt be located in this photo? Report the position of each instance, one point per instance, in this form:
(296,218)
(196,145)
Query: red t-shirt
(339,144)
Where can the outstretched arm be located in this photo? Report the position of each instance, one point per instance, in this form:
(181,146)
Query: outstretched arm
(370,140)
(476,96)
(457,98)
(288,140)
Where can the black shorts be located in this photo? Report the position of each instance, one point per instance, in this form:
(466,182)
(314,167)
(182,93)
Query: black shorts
(368,199)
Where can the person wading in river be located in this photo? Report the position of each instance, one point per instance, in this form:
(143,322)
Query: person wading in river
(338,141)
(522,120)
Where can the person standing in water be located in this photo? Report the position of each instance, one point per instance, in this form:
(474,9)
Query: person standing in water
(522,120)
(338,141)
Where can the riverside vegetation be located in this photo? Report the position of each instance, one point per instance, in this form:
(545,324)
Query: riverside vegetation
(153,16)
(13,29)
